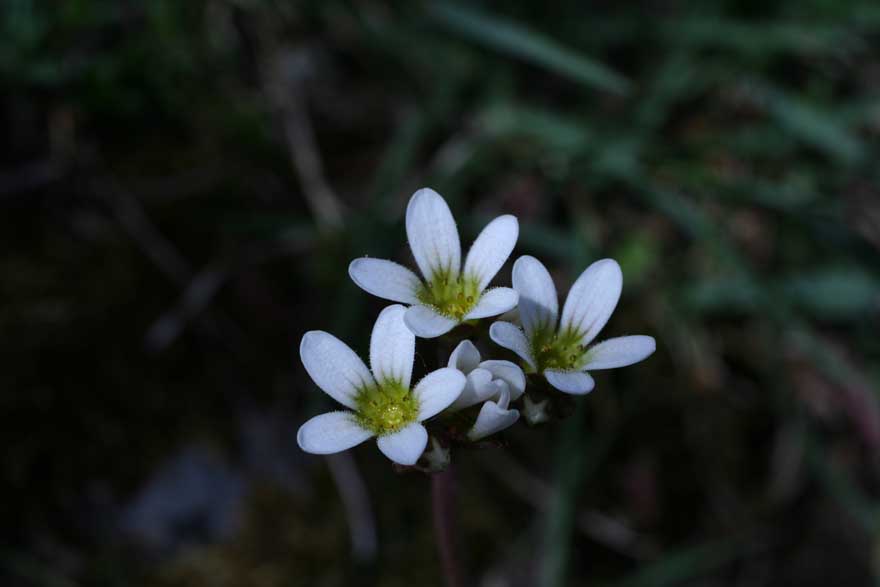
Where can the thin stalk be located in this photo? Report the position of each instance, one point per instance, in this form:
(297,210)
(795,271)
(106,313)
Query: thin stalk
(443,506)
(571,458)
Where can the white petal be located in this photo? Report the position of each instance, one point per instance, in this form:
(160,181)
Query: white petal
(492,419)
(333,366)
(502,397)
(392,347)
(437,390)
(573,382)
(510,337)
(538,302)
(331,432)
(425,322)
(433,237)
(493,302)
(512,316)
(592,299)
(619,352)
(465,357)
(508,372)
(491,249)
(493,390)
(405,446)
(477,388)
(385,279)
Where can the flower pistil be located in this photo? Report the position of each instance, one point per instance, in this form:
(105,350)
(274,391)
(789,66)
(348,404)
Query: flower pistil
(450,295)
(558,350)
(385,408)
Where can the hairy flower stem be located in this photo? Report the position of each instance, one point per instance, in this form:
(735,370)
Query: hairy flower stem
(443,505)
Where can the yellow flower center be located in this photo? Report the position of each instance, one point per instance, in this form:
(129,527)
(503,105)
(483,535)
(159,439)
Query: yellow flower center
(386,408)
(558,350)
(451,296)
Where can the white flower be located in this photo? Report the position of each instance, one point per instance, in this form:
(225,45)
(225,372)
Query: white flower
(382,403)
(450,294)
(560,352)
(497,383)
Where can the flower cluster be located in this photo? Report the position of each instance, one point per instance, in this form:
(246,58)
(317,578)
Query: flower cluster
(470,399)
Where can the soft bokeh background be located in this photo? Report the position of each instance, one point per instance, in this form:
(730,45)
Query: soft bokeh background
(182,185)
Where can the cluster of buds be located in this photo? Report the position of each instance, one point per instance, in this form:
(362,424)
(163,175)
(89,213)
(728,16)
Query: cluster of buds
(470,399)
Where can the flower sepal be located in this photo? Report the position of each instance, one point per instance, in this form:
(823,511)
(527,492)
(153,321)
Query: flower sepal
(436,458)
(542,403)
(535,411)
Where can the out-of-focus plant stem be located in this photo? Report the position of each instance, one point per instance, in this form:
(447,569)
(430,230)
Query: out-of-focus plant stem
(571,457)
(443,506)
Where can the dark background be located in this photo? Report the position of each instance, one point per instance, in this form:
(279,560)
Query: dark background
(182,186)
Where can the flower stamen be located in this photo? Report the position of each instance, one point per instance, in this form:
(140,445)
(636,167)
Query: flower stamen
(561,351)
(451,296)
(386,408)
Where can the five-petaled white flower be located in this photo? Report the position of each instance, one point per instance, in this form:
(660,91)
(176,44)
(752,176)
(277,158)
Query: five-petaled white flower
(382,403)
(560,352)
(494,382)
(450,294)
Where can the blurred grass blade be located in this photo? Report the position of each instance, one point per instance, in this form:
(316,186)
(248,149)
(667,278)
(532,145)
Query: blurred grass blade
(519,41)
(726,294)
(834,292)
(761,40)
(578,456)
(811,124)
(676,567)
(553,131)
(560,517)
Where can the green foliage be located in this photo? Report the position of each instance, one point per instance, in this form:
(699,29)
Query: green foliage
(519,41)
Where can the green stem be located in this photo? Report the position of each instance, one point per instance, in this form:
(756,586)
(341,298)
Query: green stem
(571,458)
